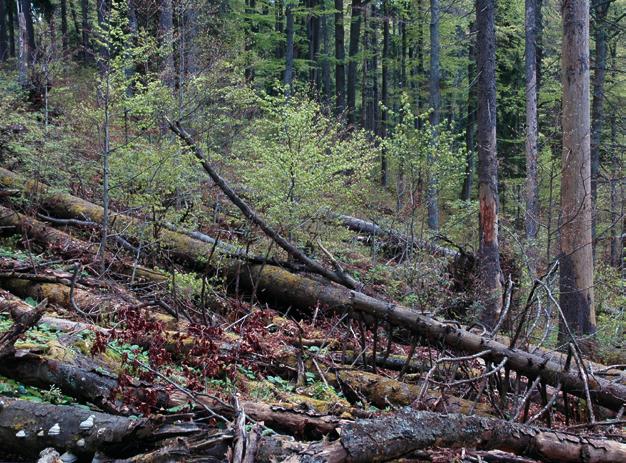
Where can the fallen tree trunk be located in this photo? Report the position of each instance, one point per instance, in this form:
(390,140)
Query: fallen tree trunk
(67,246)
(26,428)
(390,437)
(393,237)
(277,284)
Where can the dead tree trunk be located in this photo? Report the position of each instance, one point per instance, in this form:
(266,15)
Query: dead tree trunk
(489,252)
(576,256)
(398,435)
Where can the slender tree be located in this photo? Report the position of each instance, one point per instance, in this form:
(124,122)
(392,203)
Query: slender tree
(435,103)
(86,29)
(600,10)
(470,123)
(575,256)
(289,49)
(64,32)
(385,90)
(325,62)
(23,45)
(532,131)
(355,38)
(11,28)
(166,36)
(340,57)
(4,35)
(489,252)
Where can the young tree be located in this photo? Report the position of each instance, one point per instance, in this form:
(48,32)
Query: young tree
(489,252)
(576,257)
(532,133)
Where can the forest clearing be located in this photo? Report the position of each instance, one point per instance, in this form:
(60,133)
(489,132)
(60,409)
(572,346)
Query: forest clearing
(312,231)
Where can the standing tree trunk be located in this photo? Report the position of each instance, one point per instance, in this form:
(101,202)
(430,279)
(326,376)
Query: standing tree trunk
(532,133)
(600,10)
(340,56)
(86,28)
(4,36)
(166,36)
(489,253)
(355,36)
(289,50)
(470,124)
(326,81)
(64,32)
(23,53)
(385,91)
(11,28)
(576,257)
(435,103)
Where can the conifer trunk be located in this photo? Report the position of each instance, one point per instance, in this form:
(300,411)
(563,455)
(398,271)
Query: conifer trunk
(489,253)
(576,257)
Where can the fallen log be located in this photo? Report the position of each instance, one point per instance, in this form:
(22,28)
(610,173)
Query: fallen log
(26,428)
(395,238)
(68,246)
(22,323)
(383,392)
(278,285)
(394,436)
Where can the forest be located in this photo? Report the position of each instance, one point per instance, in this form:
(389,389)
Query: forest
(312,231)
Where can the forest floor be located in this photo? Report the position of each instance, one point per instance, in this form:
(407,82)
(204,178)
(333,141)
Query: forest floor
(154,359)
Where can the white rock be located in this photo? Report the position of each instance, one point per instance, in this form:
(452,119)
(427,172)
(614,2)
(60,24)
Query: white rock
(21,433)
(88,423)
(41,433)
(54,430)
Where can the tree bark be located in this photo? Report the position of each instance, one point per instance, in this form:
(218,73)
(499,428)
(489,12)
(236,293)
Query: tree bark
(470,124)
(385,90)
(488,253)
(600,10)
(435,104)
(289,49)
(575,254)
(400,434)
(120,433)
(355,38)
(166,36)
(340,57)
(64,31)
(532,131)
(4,36)
(86,30)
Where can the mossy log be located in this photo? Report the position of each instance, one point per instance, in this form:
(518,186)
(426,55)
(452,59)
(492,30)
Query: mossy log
(68,246)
